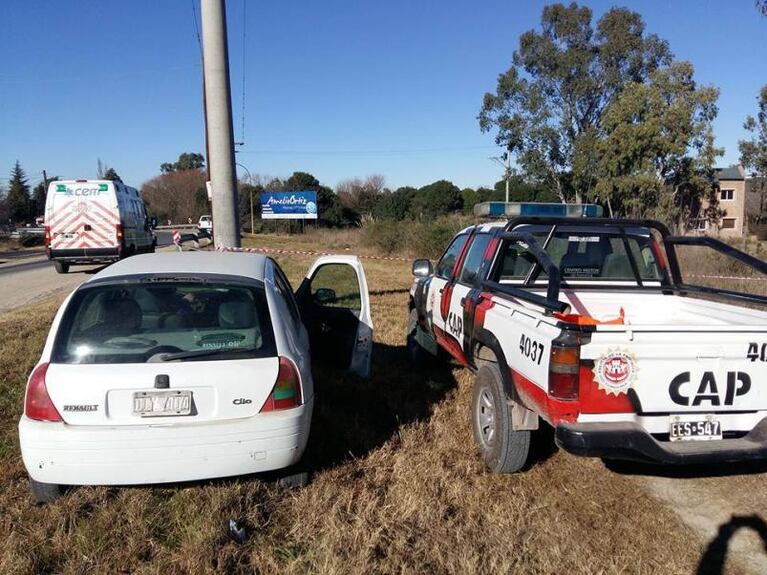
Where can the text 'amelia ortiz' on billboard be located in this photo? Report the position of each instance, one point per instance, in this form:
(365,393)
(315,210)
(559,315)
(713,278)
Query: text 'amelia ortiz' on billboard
(289,205)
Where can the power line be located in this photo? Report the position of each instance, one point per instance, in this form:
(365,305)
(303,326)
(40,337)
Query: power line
(390,152)
(196,26)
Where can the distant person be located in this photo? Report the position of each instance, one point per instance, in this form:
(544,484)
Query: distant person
(170,222)
(189,221)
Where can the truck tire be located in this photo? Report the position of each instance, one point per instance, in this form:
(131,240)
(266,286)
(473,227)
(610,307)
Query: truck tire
(418,355)
(61,267)
(45,492)
(503,449)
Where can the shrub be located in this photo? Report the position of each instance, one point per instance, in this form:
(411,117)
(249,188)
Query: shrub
(388,236)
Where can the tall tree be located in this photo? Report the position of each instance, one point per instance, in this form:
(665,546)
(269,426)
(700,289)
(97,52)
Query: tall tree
(39,194)
(437,199)
(111,174)
(18,200)
(753,156)
(657,156)
(547,108)
(186,161)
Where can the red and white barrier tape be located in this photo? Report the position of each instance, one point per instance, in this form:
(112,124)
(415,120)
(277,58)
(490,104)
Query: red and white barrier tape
(305,253)
(397,259)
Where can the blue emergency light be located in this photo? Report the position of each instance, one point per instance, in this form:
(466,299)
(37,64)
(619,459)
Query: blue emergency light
(535,209)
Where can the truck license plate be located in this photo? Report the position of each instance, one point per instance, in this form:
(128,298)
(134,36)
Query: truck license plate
(695,428)
(162,403)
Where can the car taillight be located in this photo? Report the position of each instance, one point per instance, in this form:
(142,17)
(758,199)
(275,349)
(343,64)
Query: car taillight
(286,392)
(37,403)
(47,236)
(564,367)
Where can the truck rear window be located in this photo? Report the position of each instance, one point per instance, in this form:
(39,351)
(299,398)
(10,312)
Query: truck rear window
(140,322)
(586,256)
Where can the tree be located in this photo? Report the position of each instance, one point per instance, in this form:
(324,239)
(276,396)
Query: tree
(176,195)
(39,194)
(657,156)
(753,156)
(437,199)
(186,161)
(548,106)
(104,172)
(111,174)
(18,201)
(361,195)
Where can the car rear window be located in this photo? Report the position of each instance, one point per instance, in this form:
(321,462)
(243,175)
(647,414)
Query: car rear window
(142,322)
(584,255)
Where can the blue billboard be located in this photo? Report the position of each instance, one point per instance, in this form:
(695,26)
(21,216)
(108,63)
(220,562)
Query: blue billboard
(289,205)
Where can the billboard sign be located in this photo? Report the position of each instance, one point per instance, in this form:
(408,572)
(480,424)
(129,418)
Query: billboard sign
(289,205)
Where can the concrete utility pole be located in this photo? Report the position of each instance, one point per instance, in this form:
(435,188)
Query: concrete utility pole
(218,109)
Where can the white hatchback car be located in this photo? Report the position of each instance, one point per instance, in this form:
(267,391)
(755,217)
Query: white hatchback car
(185,366)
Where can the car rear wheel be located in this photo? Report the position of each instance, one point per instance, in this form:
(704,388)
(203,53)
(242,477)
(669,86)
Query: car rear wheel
(45,492)
(61,267)
(503,449)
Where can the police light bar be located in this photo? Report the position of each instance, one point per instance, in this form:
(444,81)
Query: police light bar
(534,209)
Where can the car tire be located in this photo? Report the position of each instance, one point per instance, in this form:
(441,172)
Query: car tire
(503,449)
(61,267)
(417,354)
(45,492)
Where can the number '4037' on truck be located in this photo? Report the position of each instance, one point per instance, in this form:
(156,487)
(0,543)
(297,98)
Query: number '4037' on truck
(589,325)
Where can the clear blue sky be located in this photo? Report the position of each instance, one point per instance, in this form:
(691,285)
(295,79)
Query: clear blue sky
(337,88)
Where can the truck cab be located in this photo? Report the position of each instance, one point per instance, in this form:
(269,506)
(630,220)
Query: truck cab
(588,325)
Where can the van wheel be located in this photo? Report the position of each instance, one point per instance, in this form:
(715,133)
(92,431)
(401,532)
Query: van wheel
(61,267)
(503,449)
(45,492)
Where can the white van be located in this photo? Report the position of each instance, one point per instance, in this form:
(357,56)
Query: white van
(94,221)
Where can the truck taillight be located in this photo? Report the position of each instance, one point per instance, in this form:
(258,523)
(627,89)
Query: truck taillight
(119,232)
(564,367)
(286,392)
(47,236)
(37,402)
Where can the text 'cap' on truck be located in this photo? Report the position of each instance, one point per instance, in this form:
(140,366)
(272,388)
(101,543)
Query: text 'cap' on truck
(589,325)
(94,221)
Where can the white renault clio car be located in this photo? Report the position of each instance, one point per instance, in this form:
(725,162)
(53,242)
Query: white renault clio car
(185,366)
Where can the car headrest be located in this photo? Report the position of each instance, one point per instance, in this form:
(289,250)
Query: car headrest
(124,313)
(236,314)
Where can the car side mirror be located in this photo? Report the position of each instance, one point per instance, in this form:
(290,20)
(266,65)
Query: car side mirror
(325,296)
(422,268)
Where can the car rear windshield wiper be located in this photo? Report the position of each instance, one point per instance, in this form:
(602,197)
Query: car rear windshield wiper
(206,352)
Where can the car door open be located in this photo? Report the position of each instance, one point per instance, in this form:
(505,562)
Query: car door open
(335,307)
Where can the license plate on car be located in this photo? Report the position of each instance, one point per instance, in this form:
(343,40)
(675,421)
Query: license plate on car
(695,428)
(162,403)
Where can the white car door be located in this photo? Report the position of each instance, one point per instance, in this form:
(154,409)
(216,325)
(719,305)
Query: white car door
(335,307)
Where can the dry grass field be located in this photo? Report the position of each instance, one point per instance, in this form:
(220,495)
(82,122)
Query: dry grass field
(397,486)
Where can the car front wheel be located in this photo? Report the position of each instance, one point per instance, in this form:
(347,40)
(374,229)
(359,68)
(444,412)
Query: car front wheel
(45,492)
(503,449)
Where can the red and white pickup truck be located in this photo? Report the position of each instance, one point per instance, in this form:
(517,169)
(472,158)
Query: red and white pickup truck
(588,325)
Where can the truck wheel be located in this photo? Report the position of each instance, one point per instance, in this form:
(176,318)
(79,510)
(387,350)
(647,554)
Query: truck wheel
(418,355)
(503,449)
(45,492)
(61,267)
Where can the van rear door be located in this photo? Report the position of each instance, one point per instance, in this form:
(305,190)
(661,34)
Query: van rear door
(82,215)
